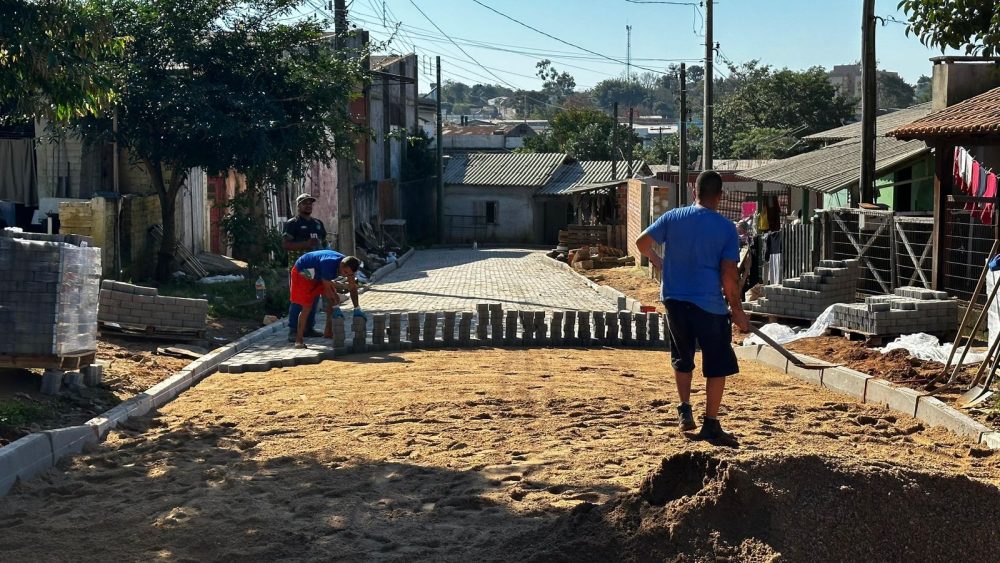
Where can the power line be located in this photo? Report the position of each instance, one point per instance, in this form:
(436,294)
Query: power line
(550,36)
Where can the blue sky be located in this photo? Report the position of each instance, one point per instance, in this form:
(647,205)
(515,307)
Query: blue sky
(784,33)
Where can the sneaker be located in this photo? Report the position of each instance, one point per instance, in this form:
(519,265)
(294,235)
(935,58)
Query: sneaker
(685,419)
(712,432)
(312,333)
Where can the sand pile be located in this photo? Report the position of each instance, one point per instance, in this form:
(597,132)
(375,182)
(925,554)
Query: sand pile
(698,507)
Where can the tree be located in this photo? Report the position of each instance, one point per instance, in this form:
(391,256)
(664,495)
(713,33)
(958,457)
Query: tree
(923,91)
(625,92)
(665,148)
(970,25)
(225,84)
(762,142)
(892,92)
(54,59)
(793,102)
(586,134)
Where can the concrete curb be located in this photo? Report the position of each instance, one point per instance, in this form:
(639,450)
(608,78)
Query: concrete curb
(39,451)
(625,303)
(872,390)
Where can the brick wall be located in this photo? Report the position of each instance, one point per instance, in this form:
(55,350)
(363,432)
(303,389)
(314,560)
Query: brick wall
(637,214)
(138,306)
(95,219)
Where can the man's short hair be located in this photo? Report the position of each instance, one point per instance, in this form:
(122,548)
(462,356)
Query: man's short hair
(353,263)
(708,185)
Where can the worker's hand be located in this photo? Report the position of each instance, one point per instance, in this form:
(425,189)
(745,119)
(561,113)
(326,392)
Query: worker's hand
(337,313)
(359,313)
(741,320)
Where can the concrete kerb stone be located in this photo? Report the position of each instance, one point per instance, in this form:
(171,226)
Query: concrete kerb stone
(747,352)
(935,413)
(921,406)
(405,257)
(23,459)
(62,441)
(69,441)
(384,271)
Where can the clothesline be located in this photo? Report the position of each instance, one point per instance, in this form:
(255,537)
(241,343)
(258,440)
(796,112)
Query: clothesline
(973,179)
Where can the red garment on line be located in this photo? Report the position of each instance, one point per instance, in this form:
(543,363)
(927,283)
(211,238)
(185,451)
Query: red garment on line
(986,216)
(973,185)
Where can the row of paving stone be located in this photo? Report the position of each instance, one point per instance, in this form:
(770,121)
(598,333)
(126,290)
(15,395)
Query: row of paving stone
(489,326)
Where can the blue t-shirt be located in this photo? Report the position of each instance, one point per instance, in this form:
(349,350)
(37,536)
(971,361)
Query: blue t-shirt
(320,264)
(695,242)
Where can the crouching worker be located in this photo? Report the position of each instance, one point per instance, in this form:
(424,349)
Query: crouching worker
(314,274)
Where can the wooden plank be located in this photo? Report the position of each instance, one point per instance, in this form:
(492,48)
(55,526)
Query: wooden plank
(917,264)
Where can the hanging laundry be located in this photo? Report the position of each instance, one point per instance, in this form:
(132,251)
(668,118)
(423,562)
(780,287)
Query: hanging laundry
(973,185)
(956,171)
(986,216)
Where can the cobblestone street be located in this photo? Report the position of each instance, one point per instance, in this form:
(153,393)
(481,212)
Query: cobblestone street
(458,279)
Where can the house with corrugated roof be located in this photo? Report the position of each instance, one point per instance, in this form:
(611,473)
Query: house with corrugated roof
(521,197)
(489,137)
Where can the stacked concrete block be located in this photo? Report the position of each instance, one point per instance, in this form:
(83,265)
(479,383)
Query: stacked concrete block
(93,375)
(448,329)
(413,329)
(359,328)
(510,329)
(583,337)
(49,290)
(137,306)
(540,329)
(430,329)
(569,328)
(833,281)
(556,331)
(640,328)
(496,324)
(482,321)
(625,322)
(465,329)
(600,333)
(378,331)
(908,310)
(338,332)
(611,326)
(527,328)
(395,329)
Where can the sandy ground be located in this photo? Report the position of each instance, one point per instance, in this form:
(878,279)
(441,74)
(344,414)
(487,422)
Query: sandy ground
(632,281)
(538,455)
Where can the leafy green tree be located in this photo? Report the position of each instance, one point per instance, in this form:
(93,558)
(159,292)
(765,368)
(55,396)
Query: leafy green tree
(586,134)
(627,93)
(969,25)
(892,92)
(923,90)
(762,142)
(223,84)
(54,59)
(665,148)
(557,85)
(803,102)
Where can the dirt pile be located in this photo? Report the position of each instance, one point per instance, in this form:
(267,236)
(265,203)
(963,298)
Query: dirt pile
(698,507)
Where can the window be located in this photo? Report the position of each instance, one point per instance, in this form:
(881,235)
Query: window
(486,212)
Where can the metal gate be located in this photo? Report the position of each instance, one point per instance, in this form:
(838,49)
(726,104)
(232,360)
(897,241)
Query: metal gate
(865,235)
(798,250)
(914,250)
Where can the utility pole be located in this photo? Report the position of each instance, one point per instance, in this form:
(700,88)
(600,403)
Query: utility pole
(866,192)
(614,143)
(682,145)
(630,125)
(628,54)
(440,156)
(345,186)
(709,55)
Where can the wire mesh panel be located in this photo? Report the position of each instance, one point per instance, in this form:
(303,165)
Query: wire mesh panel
(465,228)
(914,248)
(968,239)
(865,235)
(797,250)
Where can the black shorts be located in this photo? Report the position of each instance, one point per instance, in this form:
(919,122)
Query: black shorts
(690,327)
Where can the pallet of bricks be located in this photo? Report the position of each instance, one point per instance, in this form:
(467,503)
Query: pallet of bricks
(807,296)
(909,310)
(48,300)
(575,236)
(142,311)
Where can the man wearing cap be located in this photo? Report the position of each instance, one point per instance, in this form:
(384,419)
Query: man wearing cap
(303,233)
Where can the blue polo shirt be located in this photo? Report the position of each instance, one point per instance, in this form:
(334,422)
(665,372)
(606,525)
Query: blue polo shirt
(695,241)
(320,264)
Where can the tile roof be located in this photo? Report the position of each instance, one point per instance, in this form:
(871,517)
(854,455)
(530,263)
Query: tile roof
(502,169)
(979,115)
(589,173)
(833,168)
(883,124)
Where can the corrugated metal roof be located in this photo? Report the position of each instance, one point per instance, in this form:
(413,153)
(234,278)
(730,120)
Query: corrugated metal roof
(883,124)
(833,168)
(585,172)
(502,169)
(979,115)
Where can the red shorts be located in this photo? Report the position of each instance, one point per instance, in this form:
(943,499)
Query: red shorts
(304,290)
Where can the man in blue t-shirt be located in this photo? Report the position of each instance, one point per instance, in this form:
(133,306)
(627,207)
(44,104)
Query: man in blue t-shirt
(701,250)
(314,274)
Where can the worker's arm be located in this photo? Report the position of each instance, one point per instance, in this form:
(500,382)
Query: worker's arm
(330,292)
(645,244)
(731,289)
(352,287)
